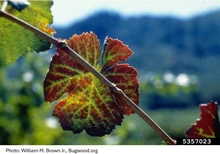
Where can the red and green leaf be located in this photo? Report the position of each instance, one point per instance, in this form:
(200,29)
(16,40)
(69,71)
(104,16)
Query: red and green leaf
(125,77)
(89,104)
(114,51)
(208,125)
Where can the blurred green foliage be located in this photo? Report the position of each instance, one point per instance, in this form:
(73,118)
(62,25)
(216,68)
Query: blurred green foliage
(26,119)
(168,90)
(23,115)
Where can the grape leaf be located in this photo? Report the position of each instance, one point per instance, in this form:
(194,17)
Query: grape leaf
(208,125)
(89,104)
(16,41)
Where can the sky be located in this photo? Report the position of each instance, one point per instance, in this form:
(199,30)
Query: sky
(70,11)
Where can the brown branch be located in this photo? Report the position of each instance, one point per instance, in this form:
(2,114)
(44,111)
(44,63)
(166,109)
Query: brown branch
(4,5)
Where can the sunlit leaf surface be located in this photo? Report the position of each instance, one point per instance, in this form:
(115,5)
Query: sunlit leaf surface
(89,104)
(16,41)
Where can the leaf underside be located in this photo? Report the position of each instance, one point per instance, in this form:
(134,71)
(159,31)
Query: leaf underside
(89,104)
(16,41)
(208,125)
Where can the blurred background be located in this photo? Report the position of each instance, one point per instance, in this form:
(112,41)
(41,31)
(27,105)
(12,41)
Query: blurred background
(176,48)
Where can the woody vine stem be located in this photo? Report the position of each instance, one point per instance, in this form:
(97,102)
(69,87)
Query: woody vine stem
(115,90)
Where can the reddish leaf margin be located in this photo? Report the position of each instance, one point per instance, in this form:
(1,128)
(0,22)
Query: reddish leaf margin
(208,125)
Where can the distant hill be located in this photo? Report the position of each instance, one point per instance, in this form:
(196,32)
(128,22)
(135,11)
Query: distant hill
(149,36)
(163,44)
